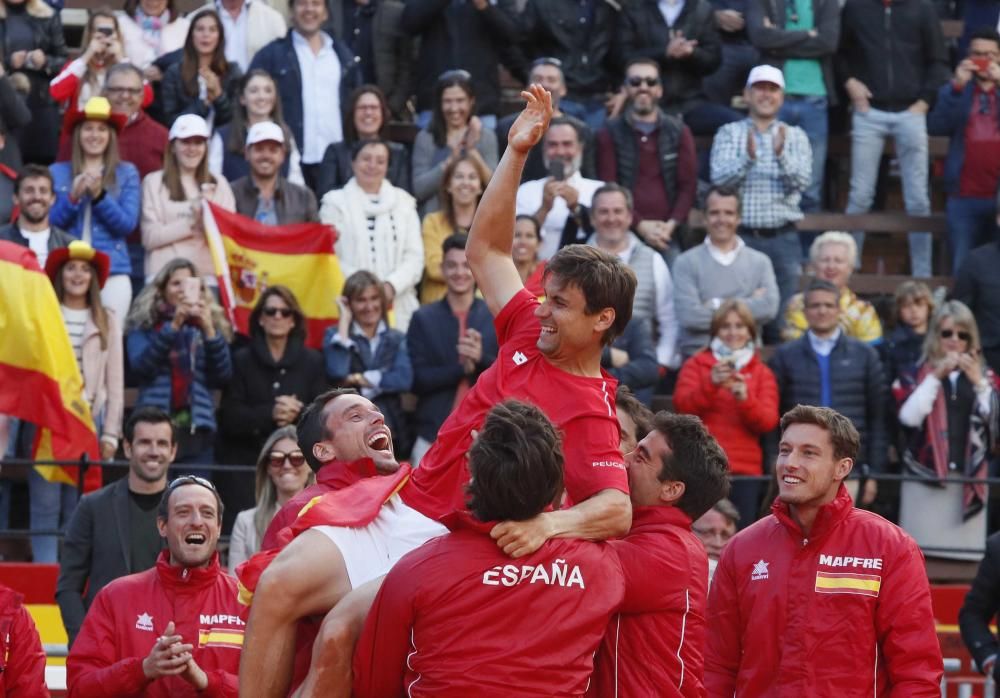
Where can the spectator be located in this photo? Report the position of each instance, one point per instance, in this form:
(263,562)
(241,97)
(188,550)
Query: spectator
(634,419)
(891,76)
(142,141)
(282,472)
(714,529)
(801,41)
(383,50)
(720,268)
(612,215)
(34,46)
(559,202)
(445,588)
(779,603)
(470,36)
(78,272)
(976,287)
(203,82)
(176,341)
(580,38)
(151,29)
(739,55)
(364,353)
(187,605)
(24,657)
(257,103)
(631,359)
(113,531)
(379,230)
(34,197)
(367,116)
(315,74)
(98,196)
(735,394)
(770,162)
(454,131)
(901,351)
(979,610)
(652,155)
(172,198)
(527,242)
(967,112)
(274,376)
(950,412)
(248,27)
(462,185)
(547,72)
(833,256)
(826,368)
(681,37)
(450,342)
(14,114)
(264,195)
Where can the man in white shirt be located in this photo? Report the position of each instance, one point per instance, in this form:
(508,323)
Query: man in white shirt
(34,197)
(249,25)
(611,214)
(560,201)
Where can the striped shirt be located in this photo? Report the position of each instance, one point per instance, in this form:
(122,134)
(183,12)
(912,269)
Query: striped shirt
(76,321)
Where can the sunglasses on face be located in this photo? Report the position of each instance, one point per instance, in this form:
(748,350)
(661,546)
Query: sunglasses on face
(276,459)
(279,312)
(637,81)
(948,334)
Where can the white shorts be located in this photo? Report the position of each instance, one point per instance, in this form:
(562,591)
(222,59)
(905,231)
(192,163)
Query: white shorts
(370,552)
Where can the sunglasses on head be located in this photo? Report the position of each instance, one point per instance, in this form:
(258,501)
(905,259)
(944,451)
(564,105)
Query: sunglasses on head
(637,81)
(948,334)
(189,480)
(546,60)
(276,459)
(281,312)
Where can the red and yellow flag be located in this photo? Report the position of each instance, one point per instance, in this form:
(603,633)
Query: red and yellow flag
(250,256)
(40,381)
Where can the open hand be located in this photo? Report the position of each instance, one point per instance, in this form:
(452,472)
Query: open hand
(533,121)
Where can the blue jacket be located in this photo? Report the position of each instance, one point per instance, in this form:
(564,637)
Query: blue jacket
(432,339)
(949,117)
(279,59)
(149,359)
(112,218)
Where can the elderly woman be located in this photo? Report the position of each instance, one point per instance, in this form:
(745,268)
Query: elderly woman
(378,228)
(950,410)
(832,256)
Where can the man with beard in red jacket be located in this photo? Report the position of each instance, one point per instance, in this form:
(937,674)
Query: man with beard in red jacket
(171,631)
(820,598)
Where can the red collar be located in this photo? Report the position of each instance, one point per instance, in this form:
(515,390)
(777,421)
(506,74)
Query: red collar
(339,474)
(653,517)
(177,577)
(828,516)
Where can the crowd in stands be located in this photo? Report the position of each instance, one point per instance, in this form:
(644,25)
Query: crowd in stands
(285,113)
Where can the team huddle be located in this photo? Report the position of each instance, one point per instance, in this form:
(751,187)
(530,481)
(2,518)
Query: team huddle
(544,545)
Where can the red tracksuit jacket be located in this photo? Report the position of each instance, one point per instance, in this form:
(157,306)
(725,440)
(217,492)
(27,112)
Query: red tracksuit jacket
(457,618)
(845,612)
(655,645)
(22,659)
(128,616)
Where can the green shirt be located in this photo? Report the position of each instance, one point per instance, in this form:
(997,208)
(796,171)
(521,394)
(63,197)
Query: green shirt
(803,76)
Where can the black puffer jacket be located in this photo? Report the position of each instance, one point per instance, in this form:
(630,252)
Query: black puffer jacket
(643,33)
(857,391)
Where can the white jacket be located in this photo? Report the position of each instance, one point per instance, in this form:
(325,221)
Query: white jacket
(141,54)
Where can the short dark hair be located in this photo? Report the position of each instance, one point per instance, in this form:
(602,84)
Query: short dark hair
(642,61)
(626,401)
(33,171)
(312,426)
(163,511)
(604,279)
(843,435)
(726,193)
(363,143)
(564,121)
(613,188)
(148,414)
(516,464)
(820,285)
(986,32)
(455,241)
(696,459)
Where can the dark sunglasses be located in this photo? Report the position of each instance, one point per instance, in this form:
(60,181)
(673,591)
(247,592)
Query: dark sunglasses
(637,81)
(276,459)
(948,334)
(281,312)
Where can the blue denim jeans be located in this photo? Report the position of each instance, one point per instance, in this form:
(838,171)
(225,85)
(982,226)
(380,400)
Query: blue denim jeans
(785,254)
(52,503)
(810,114)
(971,222)
(909,130)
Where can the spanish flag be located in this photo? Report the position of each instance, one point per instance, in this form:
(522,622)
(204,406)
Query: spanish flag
(847,583)
(39,379)
(250,256)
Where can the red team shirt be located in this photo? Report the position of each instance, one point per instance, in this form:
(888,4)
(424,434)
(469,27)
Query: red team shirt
(582,408)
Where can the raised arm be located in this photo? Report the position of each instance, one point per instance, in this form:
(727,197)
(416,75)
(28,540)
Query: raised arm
(492,234)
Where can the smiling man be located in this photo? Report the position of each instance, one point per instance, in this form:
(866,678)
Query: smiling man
(173,630)
(264,194)
(34,197)
(820,598)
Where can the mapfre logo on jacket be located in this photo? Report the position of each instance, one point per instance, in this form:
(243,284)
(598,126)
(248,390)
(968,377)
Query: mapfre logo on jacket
(842,581)
(220,630)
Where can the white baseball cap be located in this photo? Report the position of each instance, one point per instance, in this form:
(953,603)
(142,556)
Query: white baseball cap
(189,126)
(265,131)
(766,73)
